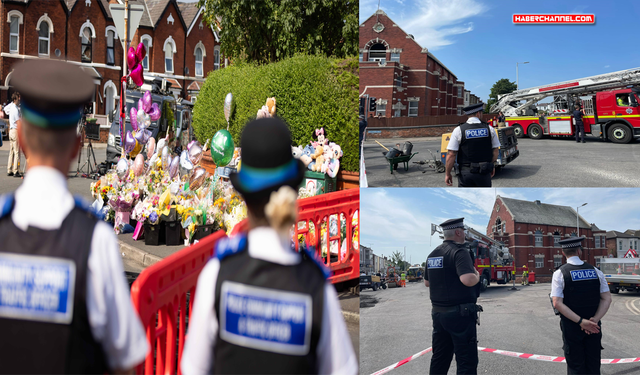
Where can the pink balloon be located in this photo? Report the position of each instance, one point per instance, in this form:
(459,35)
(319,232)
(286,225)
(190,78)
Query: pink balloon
(146,101)
(173,167)
(132,116)
(136,75)
(129,142)
(140,105)
(141,52)
(151,147)
(131,58)
(138,165)
(155,112)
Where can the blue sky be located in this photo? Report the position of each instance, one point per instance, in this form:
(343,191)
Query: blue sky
(396,217)
(477,41)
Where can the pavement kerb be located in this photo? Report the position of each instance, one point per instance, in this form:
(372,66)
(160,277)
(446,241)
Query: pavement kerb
(350,317)
(140,256)
(147,259)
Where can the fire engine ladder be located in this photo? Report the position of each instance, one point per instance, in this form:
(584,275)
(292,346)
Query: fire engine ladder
(483,238)
(508,103)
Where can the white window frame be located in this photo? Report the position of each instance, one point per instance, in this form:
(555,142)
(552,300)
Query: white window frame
(395,57)
(539,261)
(216,57)
(539,237)
(44,18)
(109,86)
(619,245)
(169,43)
(146,38)
(381,110)
(597,240)
(557,260)
(597,260)
(459,111)
(203,55)
(413,105)
(360,57)
(556,239)
(18,15)
(106,56)
(88,25)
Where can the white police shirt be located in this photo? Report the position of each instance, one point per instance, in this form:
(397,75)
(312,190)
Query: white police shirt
(557,282)
(43,201)
(334,357)
(456,136)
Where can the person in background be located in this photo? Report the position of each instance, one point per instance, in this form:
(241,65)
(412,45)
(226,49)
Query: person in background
(14,150)
(260,268)
(579,125)
(72,256)
(501,120)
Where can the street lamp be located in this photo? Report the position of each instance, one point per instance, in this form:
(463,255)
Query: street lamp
(517,82)
(578,219)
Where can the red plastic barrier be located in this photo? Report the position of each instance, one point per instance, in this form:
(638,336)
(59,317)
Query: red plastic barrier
(160,292)
(331,208)
(159,295)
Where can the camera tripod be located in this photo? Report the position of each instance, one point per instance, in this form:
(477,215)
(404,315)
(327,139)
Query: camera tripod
(92,170)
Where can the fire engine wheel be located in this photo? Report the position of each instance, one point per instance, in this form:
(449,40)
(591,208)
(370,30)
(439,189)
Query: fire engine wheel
(484,283)
(384,286)
(619,133)
(535,131)
(518,130)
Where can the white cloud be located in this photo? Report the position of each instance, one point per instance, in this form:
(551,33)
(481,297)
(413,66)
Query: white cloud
(579,9)
(607,66)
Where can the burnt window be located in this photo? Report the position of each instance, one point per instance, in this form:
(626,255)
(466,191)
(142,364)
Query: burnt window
(86,45)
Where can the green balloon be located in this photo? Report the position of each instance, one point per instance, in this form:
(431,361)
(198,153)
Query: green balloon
(222,148)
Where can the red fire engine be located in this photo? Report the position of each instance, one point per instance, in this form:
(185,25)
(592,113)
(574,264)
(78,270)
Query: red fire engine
(610,102)
(492,259)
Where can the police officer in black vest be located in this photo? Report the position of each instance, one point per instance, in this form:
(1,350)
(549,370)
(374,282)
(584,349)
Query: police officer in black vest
(451,278)
(579,125)
(581,294)
(262,307)
(476,146)
(69,308)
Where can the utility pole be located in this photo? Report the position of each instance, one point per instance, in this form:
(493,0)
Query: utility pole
(404,263)
(123,82)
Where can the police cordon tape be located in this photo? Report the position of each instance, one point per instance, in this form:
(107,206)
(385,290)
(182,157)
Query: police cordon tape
(507,353)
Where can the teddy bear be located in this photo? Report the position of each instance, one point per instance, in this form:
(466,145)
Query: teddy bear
(271,106)
(318,157)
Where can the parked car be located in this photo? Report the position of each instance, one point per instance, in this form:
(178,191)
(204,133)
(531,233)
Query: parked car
(371,281)
(4,129)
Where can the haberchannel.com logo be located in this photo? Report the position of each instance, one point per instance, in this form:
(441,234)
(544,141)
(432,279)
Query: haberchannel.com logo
(554,19)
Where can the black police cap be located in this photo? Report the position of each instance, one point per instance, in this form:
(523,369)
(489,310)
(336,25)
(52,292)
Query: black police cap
(571,242)
(474,108)
(452,224)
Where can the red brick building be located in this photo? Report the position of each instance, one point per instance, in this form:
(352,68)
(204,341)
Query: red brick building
(180,47)
(404,77)
(532,230)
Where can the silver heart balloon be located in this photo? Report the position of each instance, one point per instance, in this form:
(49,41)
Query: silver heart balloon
(122,168)
(195,154)
(165,158)
(185,164)
(173,168)
(197,178)
(161,143)
(153,161)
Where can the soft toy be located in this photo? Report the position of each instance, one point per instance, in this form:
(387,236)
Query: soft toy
(305,157)
(296,152)
(319,150)
(271,105)
(333,164)
(263,112)
(320,138)
(318,156)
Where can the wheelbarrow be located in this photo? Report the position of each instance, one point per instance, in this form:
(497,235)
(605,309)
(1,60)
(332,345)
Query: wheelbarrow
(394,161)
(436,164)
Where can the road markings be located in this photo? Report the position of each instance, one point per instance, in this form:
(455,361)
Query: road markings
(631,306)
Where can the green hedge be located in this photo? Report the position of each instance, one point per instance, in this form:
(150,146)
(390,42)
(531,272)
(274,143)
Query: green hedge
(310,92)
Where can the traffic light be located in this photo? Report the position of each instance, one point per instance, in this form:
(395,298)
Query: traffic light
(372,104)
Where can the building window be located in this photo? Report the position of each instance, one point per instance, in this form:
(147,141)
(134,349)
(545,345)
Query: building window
(459,111)
(168,60)
(538,242)
(395,56)
(378,52)
(556,239)
(381,110)
(398,81)
(199,62)
(86,45)
(597,238)
(597,260)
(459,92)
(14,34)
(397,113)
(216,58)
(557,260)
(145,61)
(111,57)
(413,109)
(360,57)
(539,261)
(109,96)
(573,234)
(43,38)
(620,245)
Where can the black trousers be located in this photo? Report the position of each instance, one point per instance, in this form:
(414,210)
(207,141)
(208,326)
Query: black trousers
(579,131)
(454,334)
(582,351)
(468,179)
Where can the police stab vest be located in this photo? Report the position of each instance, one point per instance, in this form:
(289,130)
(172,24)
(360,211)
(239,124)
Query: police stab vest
(43,310)
(445,287)
(475,146)
(270,315)
(581,289)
